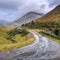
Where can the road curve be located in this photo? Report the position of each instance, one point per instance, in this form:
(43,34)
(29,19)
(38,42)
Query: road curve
(41,48)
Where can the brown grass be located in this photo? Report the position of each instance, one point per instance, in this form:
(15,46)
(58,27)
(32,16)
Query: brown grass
(28,40)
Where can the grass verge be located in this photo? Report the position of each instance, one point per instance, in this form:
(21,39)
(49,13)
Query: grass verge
(27,40)
(49,35)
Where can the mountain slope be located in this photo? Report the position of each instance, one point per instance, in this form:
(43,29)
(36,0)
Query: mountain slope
(49,24)
(54,15)
(50,20)
(26,18)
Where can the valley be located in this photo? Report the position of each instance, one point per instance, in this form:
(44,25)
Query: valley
(33,37)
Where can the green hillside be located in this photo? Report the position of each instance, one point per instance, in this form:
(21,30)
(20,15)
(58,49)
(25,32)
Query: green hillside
(12,37)
(50,23)
(50,20)
(3,35)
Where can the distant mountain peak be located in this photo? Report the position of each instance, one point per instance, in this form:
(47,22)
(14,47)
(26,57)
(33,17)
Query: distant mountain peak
(27,18)
(30,14)
(34,13)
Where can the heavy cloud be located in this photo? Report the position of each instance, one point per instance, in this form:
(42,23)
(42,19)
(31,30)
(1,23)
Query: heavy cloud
(13,9)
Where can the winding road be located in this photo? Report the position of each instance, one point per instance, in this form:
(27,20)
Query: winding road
(41,48)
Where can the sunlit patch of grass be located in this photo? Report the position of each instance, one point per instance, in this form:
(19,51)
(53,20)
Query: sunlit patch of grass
(20,43)
(38,30)
(21,40)
(3,35)
(4,41)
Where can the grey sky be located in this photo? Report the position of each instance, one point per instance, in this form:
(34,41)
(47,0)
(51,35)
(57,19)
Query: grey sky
(13,9)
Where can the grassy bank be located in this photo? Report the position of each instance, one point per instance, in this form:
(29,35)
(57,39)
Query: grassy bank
(49,35)
(23,42)
(11,38)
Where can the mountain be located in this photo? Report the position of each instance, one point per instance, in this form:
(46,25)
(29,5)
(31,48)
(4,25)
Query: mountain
(26,18)
(3,22)
(49,20)
(53,15)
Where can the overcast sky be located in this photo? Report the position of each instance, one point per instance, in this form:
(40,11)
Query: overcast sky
(13,9)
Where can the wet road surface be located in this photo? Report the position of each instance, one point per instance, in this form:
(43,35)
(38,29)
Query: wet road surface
(41,49)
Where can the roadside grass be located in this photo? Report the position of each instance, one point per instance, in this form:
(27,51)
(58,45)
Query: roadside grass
(3,35)
(6,44)
(20,43)
(49,35)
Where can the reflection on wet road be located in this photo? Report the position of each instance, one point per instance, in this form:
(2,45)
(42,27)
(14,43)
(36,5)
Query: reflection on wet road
(41,48)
